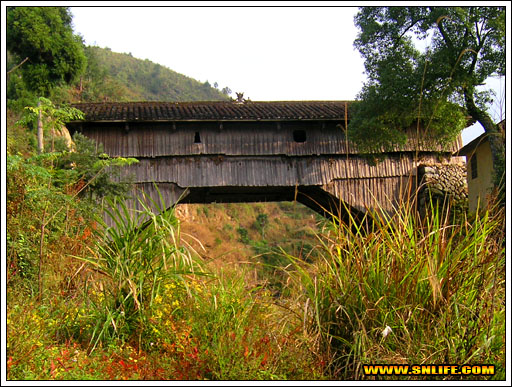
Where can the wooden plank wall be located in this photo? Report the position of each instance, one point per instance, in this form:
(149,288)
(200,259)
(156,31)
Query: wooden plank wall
(250,139)
(386,193)
(262,171)
(356,180)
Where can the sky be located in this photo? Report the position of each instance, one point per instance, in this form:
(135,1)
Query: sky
(267,53)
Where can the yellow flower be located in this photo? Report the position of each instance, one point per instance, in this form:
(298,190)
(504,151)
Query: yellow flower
(170,286)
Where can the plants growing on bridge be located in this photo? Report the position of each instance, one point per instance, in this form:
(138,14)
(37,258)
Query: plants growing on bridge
(438,87)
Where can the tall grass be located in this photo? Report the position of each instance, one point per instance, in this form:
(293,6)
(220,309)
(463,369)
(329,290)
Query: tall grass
(135,259)
(436,281)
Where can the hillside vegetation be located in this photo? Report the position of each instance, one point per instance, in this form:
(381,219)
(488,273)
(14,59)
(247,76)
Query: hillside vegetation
(112,76)
(121,77)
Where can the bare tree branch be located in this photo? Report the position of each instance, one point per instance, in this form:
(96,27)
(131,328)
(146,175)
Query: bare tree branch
(19,65)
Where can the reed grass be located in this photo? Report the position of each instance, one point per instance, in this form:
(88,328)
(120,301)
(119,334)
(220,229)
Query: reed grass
(436,281)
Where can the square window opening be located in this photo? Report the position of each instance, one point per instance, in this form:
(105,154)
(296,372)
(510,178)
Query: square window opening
(299,135)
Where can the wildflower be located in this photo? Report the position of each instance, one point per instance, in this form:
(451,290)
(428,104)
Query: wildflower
(197,286)
(386,331)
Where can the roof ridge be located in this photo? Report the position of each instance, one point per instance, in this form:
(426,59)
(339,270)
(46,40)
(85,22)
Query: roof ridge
(208,102)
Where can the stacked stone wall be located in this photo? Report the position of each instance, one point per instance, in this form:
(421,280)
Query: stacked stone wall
(443,181)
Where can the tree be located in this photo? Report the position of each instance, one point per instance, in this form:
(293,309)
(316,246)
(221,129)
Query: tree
(45,36)
(226,90)
(437,87)
(49,117)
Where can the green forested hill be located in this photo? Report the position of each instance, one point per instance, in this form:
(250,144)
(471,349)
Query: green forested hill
(112,76)
(121,77)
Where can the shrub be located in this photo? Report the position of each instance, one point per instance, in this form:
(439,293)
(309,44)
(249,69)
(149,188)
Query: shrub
(244,234)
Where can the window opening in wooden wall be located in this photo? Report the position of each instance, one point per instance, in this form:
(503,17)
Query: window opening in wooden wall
(197,138)
(299,135)
(473,166)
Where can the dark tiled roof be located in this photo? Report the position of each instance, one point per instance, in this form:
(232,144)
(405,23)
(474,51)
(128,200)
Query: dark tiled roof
(217,111)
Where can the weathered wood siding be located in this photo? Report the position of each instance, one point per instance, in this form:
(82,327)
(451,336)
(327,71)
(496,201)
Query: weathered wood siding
(262,171)
(234,139)
(373,193)
(356,180)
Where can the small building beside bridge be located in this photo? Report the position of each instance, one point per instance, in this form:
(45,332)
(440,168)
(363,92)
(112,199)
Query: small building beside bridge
(203,152)
(480,170)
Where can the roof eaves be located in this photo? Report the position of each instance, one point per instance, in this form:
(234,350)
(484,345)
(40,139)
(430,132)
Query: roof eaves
(469,147)
(257,119)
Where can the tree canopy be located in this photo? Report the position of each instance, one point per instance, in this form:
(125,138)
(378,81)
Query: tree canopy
(436,87)
(45,36)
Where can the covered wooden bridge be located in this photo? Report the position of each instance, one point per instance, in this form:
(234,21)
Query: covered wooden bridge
(204,152)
